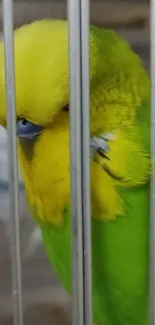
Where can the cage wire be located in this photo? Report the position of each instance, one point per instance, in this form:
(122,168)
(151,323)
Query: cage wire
(78,16)
(13,162)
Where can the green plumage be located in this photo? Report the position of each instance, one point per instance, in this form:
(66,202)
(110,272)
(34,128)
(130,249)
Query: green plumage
(120,189)
(120,262)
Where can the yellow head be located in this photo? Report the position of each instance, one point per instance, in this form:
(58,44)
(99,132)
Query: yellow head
(42,98)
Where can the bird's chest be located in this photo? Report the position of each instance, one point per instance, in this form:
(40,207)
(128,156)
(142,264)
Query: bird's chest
(57,243)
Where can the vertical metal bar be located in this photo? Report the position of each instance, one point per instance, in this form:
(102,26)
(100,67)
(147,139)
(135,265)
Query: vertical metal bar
(78,15)
(152,221)
(13,162)
(86,160)
(75,163)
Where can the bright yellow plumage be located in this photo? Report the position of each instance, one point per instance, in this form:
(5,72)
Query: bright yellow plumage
(41,64)
(117,91)
(49,187)
(119,104)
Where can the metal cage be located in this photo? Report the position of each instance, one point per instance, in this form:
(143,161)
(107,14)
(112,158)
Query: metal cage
(78,16)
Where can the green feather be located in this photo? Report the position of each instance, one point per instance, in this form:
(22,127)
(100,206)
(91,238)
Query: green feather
(120,261)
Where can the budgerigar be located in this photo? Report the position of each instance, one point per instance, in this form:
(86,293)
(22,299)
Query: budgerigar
(120,161)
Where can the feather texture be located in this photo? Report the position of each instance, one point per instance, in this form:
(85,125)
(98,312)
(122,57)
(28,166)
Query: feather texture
(119,104)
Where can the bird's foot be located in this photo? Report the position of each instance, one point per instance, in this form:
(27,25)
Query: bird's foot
(99,144)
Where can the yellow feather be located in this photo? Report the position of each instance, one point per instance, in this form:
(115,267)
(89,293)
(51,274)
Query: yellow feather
(106,202)
(118,88)
(48,183)
(127,160)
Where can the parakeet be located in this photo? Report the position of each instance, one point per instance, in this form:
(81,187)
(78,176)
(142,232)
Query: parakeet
(120,163)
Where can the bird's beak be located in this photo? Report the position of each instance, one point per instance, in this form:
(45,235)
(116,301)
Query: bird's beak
(27,146)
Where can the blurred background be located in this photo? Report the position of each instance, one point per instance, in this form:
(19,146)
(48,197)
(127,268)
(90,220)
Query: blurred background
(45,302)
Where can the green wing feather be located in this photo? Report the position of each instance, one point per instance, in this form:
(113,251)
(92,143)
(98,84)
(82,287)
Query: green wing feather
(120,261)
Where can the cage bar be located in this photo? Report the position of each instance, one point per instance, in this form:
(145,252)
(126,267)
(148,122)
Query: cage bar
(78,16)
(13,161)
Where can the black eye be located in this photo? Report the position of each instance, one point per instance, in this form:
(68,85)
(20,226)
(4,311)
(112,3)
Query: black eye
(66,108)
(24,122)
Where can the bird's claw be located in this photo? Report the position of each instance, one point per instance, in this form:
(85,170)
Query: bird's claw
(99,144)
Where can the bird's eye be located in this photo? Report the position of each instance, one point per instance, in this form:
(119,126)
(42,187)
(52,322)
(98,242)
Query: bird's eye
(66,108)
(26,129)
